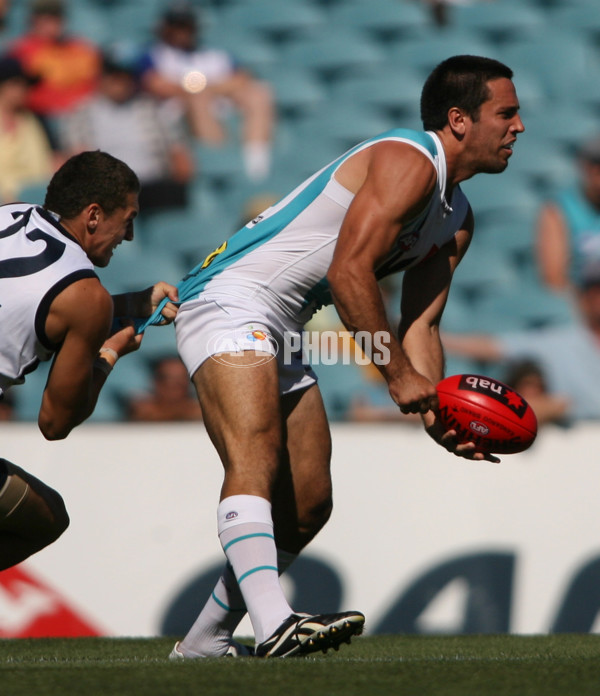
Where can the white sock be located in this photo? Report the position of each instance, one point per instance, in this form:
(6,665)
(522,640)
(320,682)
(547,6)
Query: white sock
(246,534)
(257,159)
(212,632)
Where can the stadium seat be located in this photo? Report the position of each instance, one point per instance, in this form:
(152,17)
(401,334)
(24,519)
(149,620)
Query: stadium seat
(274,20)
(422,54)
(252,51)
(332,55)
(135,268)
(501,197)
(192,233)
(564,127)
(525,305)
(219,166)
(91,21)
(556,57)
(583,18)
(33,193)
(482,273)
(381,19)
(28,398)
(343,123)
(499,23)
(296,90)
(393,91)
(157,341)
(543,164)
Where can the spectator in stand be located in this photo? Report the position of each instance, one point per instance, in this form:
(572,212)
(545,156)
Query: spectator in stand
(527,377)
(128,124)
(171,398)
(4,7)
(568,354)
(25,154)
(68,66)
(568,227)
(200,83)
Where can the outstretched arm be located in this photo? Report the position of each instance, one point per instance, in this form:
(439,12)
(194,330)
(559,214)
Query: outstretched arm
(79,322)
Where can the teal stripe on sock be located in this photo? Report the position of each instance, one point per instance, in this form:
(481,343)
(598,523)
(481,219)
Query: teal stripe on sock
(220,603)
(224,606)
(255,570)
(247,536)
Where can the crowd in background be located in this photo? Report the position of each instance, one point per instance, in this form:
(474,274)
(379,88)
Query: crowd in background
(174,109)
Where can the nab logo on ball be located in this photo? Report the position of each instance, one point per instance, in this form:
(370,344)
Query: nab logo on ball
(505,395)
(487,412)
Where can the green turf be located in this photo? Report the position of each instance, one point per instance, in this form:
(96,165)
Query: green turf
(560,665)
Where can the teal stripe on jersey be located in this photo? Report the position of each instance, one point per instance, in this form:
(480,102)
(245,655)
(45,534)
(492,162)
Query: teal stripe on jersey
(247,239)
(247,536)
(255,570)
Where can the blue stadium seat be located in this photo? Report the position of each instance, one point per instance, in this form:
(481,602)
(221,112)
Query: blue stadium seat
(392,90)
(157,341)
(90,21)
(423,54)
(382,19)
(525,305)
(499,23)
(134,268)
(296,90)
(344,123)
(564,127)
(543,164)
(33,193)
(556,57)
(191,234)
(331,55)
(501,197)
(252,51)
(582,18)
(28,398)
(276,21)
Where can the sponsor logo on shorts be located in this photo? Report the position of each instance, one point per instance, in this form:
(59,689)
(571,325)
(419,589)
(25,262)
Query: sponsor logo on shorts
(255,344)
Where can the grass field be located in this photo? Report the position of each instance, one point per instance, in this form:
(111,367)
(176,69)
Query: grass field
(565,665)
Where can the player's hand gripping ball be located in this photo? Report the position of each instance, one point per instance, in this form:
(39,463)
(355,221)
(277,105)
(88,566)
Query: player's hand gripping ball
(487,412)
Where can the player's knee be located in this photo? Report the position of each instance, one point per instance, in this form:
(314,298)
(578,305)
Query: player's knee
(315,516)
(31,509)
(57,515)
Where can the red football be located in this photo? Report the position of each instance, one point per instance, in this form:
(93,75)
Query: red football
(487,412)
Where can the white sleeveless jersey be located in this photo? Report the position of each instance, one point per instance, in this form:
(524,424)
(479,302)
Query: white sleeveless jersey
(280,260)
(38,259)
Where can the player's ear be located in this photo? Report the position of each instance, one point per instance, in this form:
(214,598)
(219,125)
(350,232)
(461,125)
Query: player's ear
(92,214)
(457,121)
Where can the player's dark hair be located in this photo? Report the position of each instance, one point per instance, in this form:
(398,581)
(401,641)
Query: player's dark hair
(90,177)
(459,81)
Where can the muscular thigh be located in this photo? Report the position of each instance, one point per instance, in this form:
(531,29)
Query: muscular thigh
(241,409)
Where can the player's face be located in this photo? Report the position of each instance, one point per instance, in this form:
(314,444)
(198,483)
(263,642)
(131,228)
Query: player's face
(492,136)
(112,230)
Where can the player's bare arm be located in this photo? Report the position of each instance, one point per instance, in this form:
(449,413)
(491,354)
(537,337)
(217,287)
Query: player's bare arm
(79,321)
(398,183)
(424,295)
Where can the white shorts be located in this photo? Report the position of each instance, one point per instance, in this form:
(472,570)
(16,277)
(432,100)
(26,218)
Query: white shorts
(211,327)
